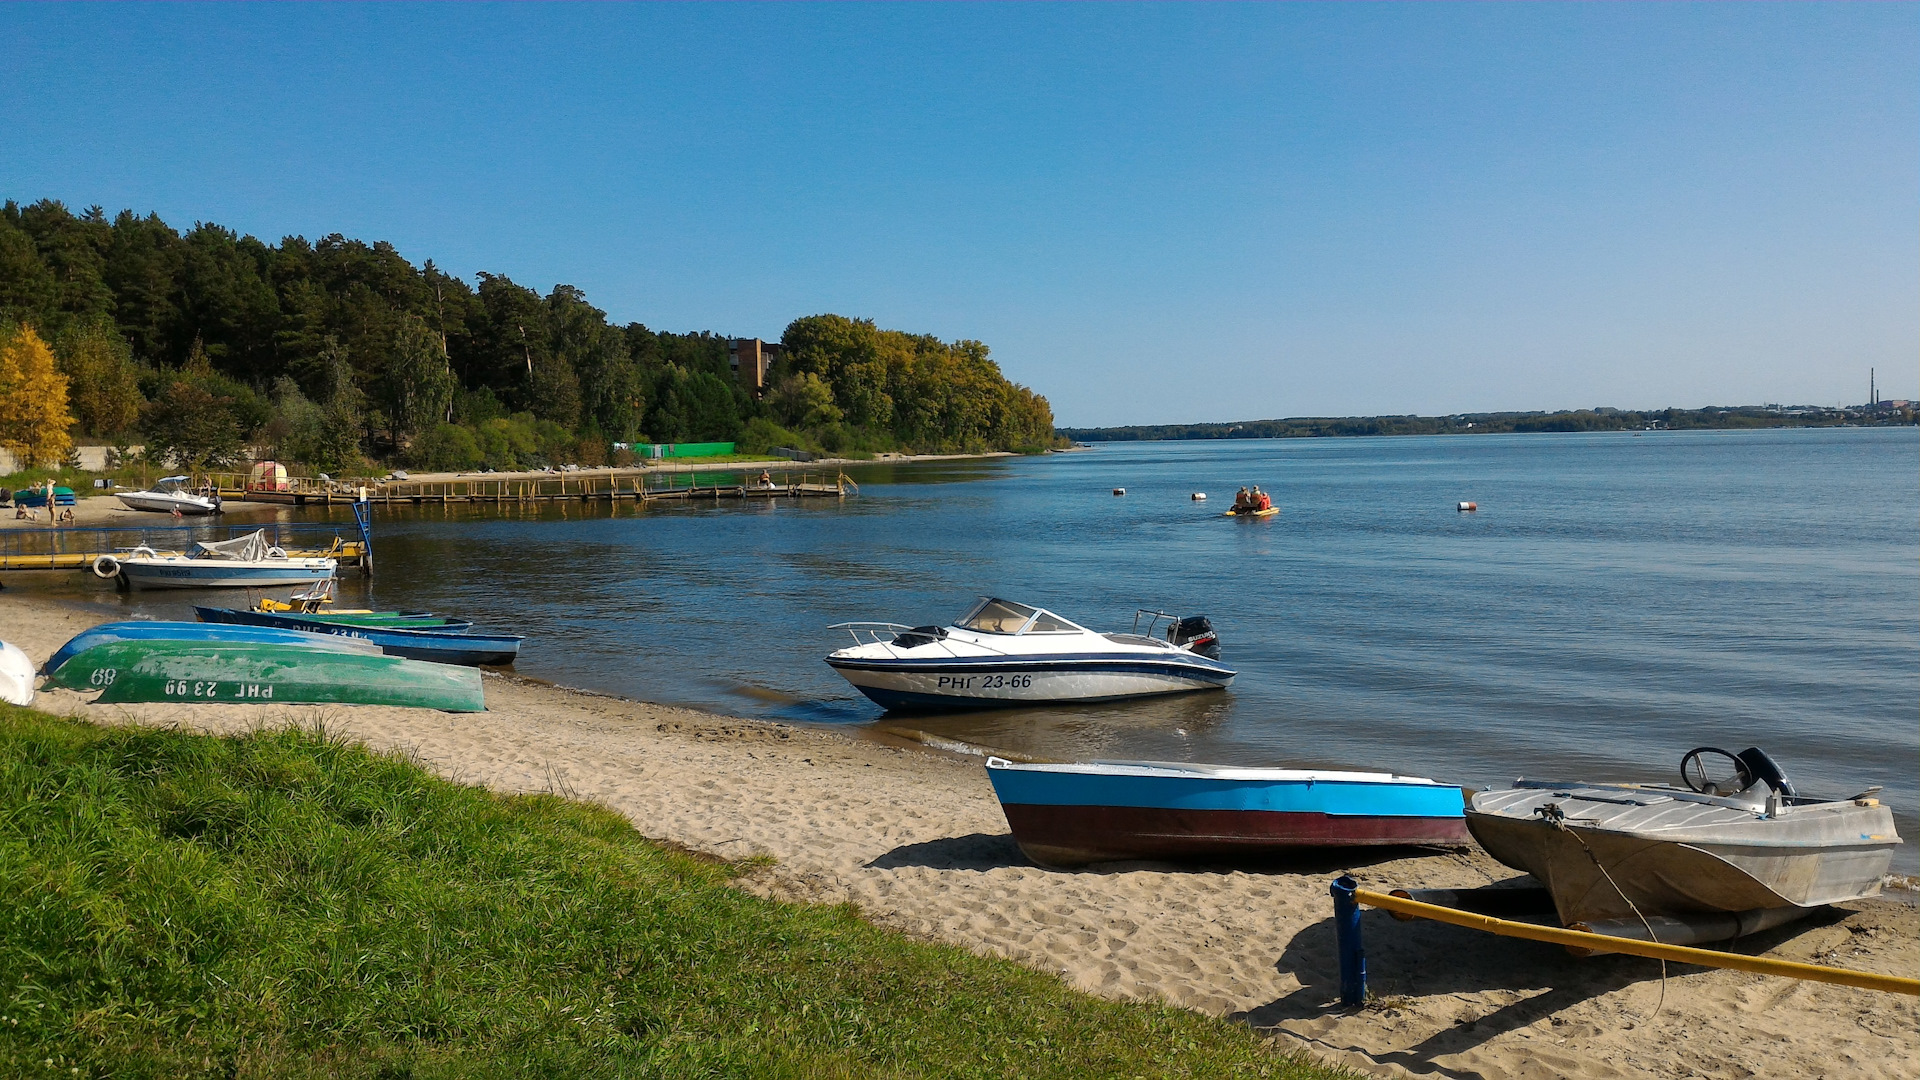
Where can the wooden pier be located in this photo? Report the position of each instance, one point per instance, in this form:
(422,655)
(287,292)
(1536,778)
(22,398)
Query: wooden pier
(598,486)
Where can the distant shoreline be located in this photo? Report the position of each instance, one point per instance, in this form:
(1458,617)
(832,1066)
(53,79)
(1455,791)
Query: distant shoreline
(1713,418)
(669,466)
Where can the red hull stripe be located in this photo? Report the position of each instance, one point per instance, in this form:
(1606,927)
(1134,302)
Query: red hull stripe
(1081,834)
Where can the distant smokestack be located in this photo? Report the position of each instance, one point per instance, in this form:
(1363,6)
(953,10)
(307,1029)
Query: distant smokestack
(1873,389)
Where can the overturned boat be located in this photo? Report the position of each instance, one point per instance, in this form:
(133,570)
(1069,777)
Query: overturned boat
(16,675)
(1074,813)
(1001,653)
(1710,860)
(143,630)
(257,673)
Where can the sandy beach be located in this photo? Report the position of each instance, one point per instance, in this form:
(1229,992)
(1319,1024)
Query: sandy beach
(105,511)
(915,840)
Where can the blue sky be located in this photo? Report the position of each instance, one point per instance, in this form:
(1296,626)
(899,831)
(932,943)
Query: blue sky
(1158,213)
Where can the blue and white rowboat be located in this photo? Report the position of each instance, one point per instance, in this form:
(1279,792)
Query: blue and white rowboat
(439,646)
(1074,813)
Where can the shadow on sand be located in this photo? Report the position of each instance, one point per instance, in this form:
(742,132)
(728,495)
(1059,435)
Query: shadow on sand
(1421,959)
(991,851)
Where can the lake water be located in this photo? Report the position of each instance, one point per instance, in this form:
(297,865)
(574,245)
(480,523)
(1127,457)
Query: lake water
(1617,599)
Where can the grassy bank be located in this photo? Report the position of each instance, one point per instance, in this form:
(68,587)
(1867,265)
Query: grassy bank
(284,904)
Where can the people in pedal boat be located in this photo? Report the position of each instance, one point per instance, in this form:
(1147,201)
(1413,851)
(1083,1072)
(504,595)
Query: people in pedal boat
(1260,500)
(1242,502)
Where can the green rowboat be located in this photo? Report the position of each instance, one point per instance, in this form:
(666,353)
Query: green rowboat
(255,674)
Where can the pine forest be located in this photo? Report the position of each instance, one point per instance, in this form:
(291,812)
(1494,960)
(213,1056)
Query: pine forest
(207,347)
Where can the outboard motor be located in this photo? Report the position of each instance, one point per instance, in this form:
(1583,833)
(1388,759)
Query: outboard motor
(1195,634)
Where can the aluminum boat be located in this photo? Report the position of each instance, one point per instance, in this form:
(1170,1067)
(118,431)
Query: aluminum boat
(1099,811)
(167,495)
(1003,654)
(1709,860)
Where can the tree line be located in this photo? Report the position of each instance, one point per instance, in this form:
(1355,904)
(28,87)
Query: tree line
(206,345)
(1602,419)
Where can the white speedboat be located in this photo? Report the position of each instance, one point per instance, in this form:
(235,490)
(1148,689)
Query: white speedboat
(1710,860)
(1002,653)
(244,562)
(167,495)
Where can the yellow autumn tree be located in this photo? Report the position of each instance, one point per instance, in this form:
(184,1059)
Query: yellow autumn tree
(103,382)
(33,400)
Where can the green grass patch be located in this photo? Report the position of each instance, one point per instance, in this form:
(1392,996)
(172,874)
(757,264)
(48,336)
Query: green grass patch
(287,904)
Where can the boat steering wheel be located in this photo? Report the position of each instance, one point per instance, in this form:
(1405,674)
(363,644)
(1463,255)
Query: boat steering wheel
(1694,765)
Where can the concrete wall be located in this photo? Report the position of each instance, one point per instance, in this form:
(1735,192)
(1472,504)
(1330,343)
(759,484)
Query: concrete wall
(92,459)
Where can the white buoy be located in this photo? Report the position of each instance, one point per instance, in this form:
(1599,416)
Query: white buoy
(1199,496)
(1469,507)
(1119,491)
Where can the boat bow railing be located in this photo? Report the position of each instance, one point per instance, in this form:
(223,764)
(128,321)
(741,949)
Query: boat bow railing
(872,633)
(883,633)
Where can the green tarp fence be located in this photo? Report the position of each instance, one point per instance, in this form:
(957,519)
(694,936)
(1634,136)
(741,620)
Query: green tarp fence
(677,450)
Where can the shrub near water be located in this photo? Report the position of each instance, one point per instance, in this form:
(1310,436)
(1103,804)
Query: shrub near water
(286,904)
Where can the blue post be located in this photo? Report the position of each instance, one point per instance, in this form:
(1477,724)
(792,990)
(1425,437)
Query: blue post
(1346,931)
(363,517)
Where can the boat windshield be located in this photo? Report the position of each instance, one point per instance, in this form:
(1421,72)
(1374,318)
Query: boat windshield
(1046,622)
(991,616)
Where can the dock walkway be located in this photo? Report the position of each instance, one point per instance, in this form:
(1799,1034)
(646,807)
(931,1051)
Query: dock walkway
(76,548)
(601,485)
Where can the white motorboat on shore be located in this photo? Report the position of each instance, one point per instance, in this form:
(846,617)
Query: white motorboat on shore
(167,495)
(1703,862)
(1003,653)
(244,562)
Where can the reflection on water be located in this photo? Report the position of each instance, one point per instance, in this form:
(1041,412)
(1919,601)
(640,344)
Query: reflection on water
(1152,729)
(1616,601)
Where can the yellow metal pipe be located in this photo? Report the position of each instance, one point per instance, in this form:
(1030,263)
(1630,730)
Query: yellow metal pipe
(1758,965)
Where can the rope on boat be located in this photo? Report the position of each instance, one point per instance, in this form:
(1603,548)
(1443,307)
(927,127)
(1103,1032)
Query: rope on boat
(1758,965)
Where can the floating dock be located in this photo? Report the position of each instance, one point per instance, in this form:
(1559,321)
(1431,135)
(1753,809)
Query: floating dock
(72,547)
